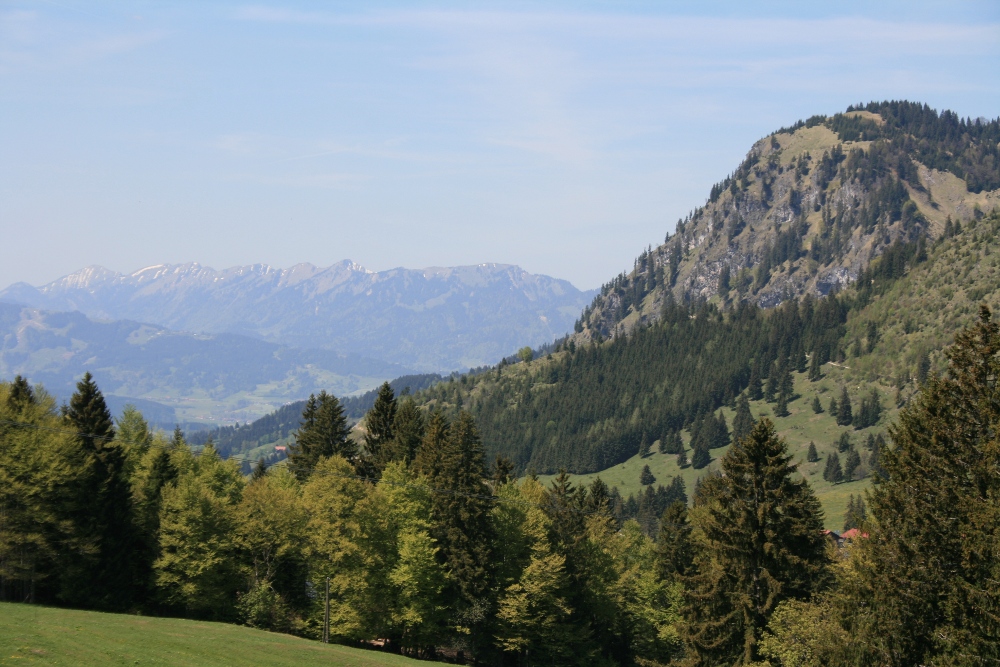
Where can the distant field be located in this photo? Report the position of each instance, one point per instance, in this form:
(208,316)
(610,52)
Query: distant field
(46,636)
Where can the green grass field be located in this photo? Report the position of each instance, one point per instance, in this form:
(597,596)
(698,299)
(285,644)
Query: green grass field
(47,636)
(801,427)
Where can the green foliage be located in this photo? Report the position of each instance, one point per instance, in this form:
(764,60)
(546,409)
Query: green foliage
(758,543)
(833,472)
(380,432)
(646,478)
(812,456)
(933,517)
(323,433)
(743,422)
(857,513)
(844,412)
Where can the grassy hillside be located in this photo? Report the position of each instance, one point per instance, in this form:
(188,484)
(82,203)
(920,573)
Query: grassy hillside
(47,636)
(801,427)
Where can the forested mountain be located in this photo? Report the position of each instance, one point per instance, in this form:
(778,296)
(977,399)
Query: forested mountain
(173,376)
(435,319)
(279,426)
(809,208)
(840,207)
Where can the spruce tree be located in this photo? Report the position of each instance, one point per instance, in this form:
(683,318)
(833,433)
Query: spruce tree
(380,431)
(856,513)
(674,551)
(106,504)
(815,368)
(817,407)
(323,433)
(743,422)
(409,431)
(851,463)
(833,473)
(682,459)
(451,457)
(700,458)
(834,409)
(845,415)
(759,543)
(644,446)
(754,387)
(812,456)
(926,577)
(259,471)
(646,476)
(844,442)
(773,382)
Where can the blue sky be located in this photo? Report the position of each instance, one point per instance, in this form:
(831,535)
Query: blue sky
(563,137)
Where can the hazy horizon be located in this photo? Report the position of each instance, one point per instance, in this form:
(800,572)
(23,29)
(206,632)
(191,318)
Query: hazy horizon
(561,138)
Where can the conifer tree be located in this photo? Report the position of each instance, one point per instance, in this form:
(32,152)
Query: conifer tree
(451,457)
(927,574)
(845,415)
(682,459)
(644,446)
(815,368)
(754,389)
(773,382)
(834,409)
(259,470)
(851,464)
(323,433)
(380,425)
(107,508)
(759,544)
(844,442)
(856,513)
(812,456)
(646,477)
(409,431)
(743,422)
(674,551)
(833,473)
(817,407)
(700,458)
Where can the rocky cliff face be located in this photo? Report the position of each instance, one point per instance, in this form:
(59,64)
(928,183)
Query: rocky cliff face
(430,319)
(809,208)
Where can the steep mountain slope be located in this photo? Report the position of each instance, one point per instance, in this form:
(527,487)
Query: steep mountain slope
(809,208)
(432,319)
(691,349)
(181,376)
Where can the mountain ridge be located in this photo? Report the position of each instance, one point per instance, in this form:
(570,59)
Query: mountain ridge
(466,311)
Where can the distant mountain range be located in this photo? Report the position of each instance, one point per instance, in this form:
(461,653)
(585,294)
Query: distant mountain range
(174,377)
(435,319)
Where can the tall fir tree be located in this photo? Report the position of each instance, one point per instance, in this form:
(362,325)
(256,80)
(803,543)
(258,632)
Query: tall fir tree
(812,455)
(408,430)
(759,543)
(380,423)
(700,458)
(106,507)
(845,415)
(674,551)
(646,477)
(754,388)
(925,590)
(323,433)
(743,422)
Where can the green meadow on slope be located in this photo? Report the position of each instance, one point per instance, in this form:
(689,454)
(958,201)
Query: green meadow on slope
(31,634)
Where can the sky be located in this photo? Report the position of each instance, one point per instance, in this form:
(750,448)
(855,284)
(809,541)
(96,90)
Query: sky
(564,137)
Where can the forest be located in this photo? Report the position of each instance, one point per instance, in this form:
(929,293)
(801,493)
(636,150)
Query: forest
(429,551)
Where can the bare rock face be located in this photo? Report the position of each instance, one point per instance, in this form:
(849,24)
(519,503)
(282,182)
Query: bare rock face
(806,212)
(434,319)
